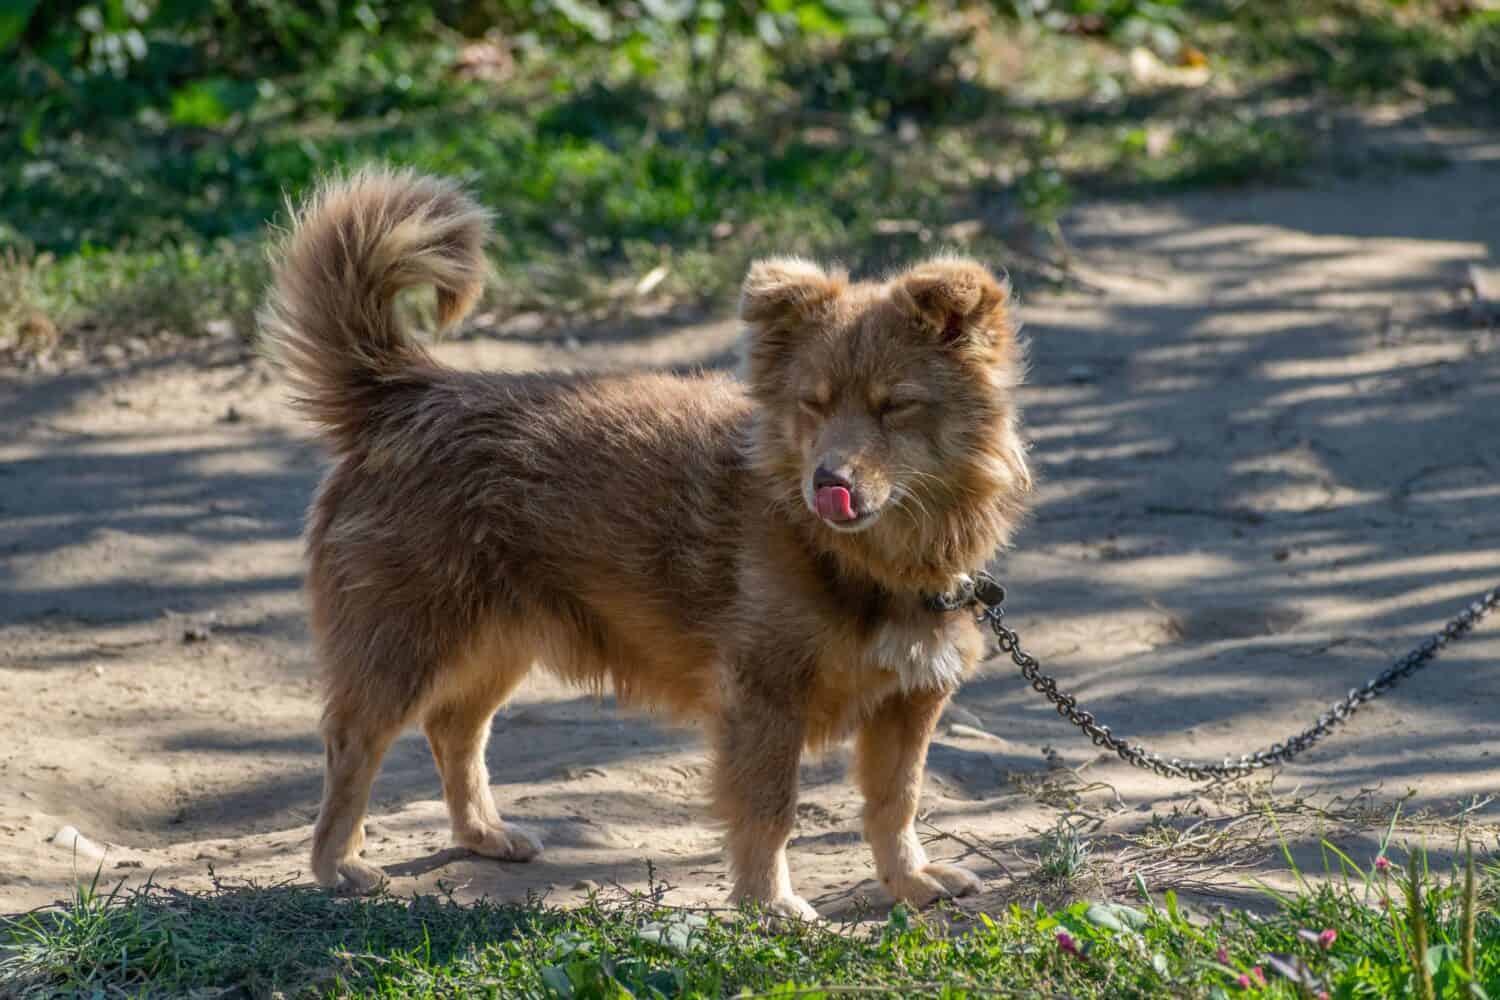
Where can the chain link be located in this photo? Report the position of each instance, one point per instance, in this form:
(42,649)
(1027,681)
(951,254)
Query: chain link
(1230,768)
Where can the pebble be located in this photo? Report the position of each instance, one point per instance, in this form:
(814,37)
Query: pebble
(966,231)
(1082,373)
(521,323)
(652,279)
(70,840)
(1484,283)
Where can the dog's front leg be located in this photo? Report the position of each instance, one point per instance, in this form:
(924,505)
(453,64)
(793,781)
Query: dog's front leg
(759,746)
(890,756)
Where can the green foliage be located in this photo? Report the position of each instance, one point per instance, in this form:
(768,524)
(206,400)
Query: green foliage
(596,170)
(145,144)
(1362,933)
(1220,151)
(1154,23)
(1376,48)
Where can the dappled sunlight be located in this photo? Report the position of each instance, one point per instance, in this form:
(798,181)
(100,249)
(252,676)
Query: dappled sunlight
(211,463)
(1174,569)
(1138,449)
(1329,500)
(119,522)
(1233,327)
(1426,412)
(107,557)
(1475,565)
(1056,435)
(1299,493)
(1457,494)
(1371,361)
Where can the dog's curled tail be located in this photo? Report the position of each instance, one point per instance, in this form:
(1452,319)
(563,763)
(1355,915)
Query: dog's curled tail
(330,320)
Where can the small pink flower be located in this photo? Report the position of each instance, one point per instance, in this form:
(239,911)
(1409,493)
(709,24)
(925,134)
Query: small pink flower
(1382,863)
(1326,939)
(1322,995)
(1067,942)
(1222,955)
(1244,981)
(1260,976)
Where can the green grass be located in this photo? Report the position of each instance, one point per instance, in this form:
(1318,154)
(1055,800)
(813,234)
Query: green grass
(1383,931)
(596,179)
(134,196)
(589,198)
(1363,49)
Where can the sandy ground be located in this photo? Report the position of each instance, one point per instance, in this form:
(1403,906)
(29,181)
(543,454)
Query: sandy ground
(1267,437)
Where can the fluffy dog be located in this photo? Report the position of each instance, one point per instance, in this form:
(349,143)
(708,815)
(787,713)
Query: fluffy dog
(752,554)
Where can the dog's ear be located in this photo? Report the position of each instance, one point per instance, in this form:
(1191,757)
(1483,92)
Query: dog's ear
(958,300)
(783,300)
(780,290)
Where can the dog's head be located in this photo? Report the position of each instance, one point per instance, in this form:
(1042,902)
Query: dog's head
(887,409)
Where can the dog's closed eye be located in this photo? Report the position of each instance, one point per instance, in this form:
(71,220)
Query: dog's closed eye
(900,409)
(812,406)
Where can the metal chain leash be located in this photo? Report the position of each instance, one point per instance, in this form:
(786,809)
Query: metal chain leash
(985,592)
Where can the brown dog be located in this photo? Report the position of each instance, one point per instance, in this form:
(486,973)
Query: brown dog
(753,555)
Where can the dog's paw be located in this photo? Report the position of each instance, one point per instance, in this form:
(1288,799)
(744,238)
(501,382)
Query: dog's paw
(933,882)
(955,881)
(504,842)
(358,879)
(791,907)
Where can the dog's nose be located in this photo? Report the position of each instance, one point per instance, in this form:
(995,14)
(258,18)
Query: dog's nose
(824,476)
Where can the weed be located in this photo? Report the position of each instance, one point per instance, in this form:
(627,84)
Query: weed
(25,325)
(1064,854)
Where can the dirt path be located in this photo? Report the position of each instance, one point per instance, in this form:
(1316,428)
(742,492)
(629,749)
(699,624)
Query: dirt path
(1270,457)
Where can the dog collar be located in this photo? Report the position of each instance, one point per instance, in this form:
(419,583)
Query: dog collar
(981,589)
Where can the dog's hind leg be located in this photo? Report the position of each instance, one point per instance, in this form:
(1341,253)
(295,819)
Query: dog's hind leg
(458,728)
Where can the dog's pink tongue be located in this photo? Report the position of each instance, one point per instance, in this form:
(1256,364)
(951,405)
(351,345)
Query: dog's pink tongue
(835,503)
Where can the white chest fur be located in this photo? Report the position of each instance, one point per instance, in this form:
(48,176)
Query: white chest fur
(922,657)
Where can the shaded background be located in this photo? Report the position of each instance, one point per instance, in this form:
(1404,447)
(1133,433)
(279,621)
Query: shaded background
(641,153)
